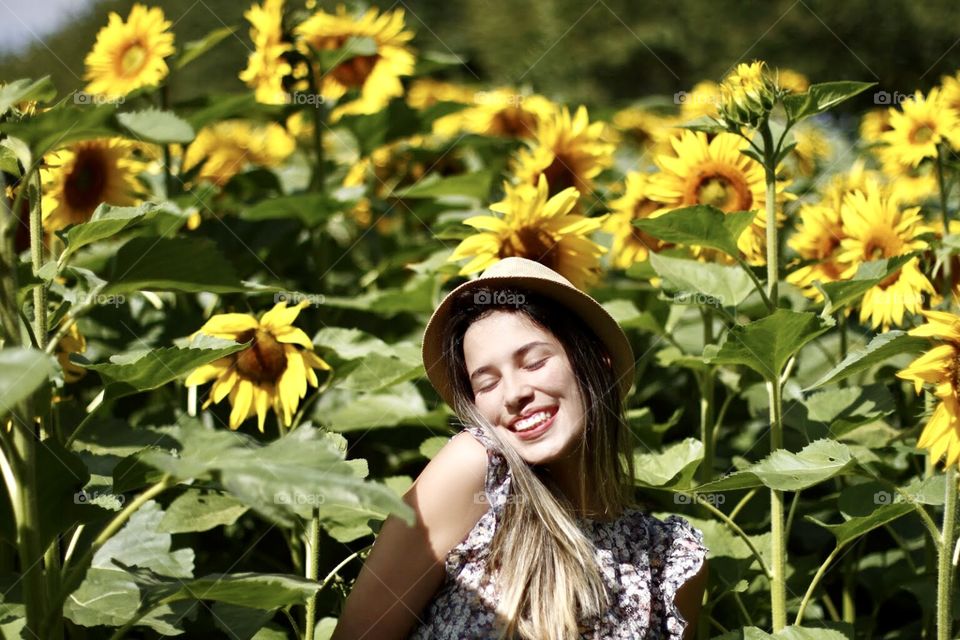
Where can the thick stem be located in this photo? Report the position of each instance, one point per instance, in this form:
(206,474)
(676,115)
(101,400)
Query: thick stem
(707,400)
(8,267)
(944,561)
(773,253)
(36,258)
(312,561)
(941,184)
(28,527)
(778,587)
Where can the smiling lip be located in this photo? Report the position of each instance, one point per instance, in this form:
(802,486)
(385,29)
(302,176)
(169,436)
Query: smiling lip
(527,414)
(536,431)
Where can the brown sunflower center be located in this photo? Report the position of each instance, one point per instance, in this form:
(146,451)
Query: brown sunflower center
(513,122)
(560,175)
(264,360)
(720,185)
(86,185)
(535,244)
(133,59)
(353,72)
(922,133)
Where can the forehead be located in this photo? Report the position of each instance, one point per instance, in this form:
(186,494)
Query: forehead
(499,334)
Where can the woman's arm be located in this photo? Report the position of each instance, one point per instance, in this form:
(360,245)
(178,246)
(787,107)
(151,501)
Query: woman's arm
(405,568)
(689,600)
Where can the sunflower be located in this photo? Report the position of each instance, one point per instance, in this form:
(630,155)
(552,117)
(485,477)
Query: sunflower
(272,372)
(130,55)
(426,92)
(913,184)
(647,130)
(500,112)
(77,179)
(747,93)
(376,75)
(630,244)
(812,147)
(940,366)
(702,100)
(792,81)
(569,151)
(537,228)
(225,148)
(718,174)
(267,66)
(873,124)
(951,91)
(856,177)
(875,228)
(72,342)
(817,238)
(921,125)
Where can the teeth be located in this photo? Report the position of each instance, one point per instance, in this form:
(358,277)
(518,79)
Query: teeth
(533,421)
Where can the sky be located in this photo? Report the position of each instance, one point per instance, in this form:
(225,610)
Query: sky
(23,21)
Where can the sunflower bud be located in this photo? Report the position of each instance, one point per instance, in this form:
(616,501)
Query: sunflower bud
(747,94)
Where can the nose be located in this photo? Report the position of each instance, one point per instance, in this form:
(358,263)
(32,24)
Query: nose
(519,393)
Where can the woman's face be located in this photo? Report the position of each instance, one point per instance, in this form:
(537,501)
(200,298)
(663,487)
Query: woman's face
(518,371)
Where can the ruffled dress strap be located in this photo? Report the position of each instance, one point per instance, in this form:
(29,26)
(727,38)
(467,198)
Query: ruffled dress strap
(498,479)
(677,553)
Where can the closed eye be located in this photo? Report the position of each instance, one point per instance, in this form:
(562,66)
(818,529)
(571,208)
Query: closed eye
(532,367)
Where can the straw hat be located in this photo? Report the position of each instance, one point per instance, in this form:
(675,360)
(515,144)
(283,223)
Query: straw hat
(541,279)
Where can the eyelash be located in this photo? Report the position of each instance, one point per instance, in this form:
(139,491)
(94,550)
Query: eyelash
(533,367)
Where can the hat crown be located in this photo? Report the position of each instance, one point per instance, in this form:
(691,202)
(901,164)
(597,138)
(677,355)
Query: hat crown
(515,266)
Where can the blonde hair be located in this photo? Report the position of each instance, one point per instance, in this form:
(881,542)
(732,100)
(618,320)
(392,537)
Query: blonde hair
(547,575)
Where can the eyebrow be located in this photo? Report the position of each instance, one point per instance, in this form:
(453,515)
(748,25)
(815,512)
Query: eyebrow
(519,353)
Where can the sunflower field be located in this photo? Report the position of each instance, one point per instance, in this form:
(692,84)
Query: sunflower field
(211,388)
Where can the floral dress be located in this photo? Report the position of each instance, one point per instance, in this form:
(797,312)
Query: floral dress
(644,562)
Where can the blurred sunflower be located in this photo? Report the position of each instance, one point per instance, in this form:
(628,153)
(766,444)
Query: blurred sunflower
(817,238)
(630,244)
(426,92)
(812,148)
(375,75)
(940,366)
(225,148)
(747,93)
(537,228)
(267,66)
(856,177)
(500,112)
(912,184)
(950,91)
(702,100)
(130,55)
(920,125)
(272,372)
(875,228)
(72,342)
(716,173)
(647,130)
(569,151)
(873,124)
(792,81)
(77,179)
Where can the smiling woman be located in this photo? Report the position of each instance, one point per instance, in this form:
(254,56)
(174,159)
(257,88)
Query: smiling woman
(552,544)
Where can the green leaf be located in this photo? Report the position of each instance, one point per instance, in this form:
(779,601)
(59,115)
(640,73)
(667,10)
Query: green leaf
(154,125)
(267,591)
(372,410)
(703,225)
(396,120)
(60,126)
(287,477)
(842,293)
(24,89)
(787,633)
(192,264)
(365,363)
(880,348)
(694,282)
(200,511)
(671,468)
(354,46)
(196,48)
(311,208)
(861,525)
(106,222)
(785,471)
(432,446)
(22,371)
(839,409)
(470,185)
(125,375)
(767,344)
(821,97)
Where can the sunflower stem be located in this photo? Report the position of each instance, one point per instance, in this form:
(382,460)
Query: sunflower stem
(312,549)
(319,111)
(36,258)
(941,184)
(707,401)
(8,266)
(944,560)
(770,173)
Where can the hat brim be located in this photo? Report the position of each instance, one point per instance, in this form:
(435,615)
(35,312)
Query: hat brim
(585,307)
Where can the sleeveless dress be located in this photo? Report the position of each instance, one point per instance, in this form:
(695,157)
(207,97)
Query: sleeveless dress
(644,561)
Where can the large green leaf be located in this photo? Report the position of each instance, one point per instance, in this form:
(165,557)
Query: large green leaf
(822,97)
(310,208)
(200,511)
(786,471)
(842,293)
(671,468)
(861,525)
(292,475)
(702,224)
(472,185)
(345,412)
(171,264)
(106,222)
(838,410)
(24,89)
(22,371)
(396,120)
(880,348)
(60,126)
(154,125)
(362,362)
(787,633)
(266,591)
(694,282)
(767,344)
(134,373)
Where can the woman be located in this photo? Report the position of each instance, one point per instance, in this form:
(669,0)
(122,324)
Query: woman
(526,525)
